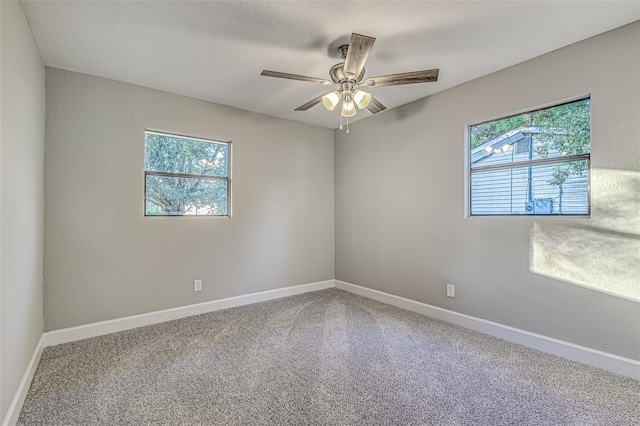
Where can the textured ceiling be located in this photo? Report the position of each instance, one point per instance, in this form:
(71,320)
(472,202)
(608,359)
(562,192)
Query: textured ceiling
(216,50)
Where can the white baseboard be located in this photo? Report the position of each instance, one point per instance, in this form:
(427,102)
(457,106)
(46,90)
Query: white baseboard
(11,418)
(95,329)
(593,357)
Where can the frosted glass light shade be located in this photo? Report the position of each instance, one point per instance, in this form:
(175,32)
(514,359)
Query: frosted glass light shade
(330,100)
(348,109)
(362,98)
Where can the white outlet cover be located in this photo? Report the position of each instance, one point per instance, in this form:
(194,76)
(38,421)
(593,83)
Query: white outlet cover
(197,285)
(451,290)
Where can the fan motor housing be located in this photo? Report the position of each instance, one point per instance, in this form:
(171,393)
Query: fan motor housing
(338,76)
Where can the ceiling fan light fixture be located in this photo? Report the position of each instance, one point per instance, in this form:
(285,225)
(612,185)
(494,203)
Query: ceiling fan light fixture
(362,98)
(331,100)
(348,76)
(348,109)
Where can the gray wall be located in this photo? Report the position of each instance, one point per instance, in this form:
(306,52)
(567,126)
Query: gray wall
(400,225)
(104,259)
(22,109)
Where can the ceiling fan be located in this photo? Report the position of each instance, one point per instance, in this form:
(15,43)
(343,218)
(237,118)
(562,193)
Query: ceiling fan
(347,79)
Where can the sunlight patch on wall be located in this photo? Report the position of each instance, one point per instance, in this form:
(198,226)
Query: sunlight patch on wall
(598,260)
(615,200)
(601,253)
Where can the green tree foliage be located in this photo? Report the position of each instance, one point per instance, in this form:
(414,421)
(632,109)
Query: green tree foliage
(564,129)
(179,195)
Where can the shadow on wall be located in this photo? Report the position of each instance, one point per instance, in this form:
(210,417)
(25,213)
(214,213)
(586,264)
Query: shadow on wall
(603,253)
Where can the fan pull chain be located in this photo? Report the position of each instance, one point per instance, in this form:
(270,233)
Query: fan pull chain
(340,121)
(347,124)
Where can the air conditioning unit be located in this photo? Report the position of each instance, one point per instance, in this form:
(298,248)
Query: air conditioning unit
(539,206)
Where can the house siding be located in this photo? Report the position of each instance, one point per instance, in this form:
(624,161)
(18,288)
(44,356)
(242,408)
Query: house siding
(506,191)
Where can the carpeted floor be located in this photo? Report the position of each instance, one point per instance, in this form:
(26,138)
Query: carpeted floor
(323,358)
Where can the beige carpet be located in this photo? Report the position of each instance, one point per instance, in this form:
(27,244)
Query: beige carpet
(323,358)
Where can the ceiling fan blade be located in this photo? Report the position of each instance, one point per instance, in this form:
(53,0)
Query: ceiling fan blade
(425,76)
(311,103)
(375,106)
(277,74)
(359,48)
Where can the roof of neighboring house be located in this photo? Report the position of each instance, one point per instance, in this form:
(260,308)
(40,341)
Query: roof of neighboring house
(511,137)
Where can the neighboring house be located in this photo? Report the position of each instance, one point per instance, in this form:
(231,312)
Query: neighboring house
(523,190)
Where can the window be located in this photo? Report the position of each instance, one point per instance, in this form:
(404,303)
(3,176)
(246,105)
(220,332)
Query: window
(535,163)
(186,176)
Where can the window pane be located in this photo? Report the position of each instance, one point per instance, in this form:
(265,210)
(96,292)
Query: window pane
(551,132)
(174,154)
(507,177)
(543,189)
(185,196)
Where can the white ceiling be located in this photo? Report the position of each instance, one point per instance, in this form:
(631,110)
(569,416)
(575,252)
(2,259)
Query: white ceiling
(216,50)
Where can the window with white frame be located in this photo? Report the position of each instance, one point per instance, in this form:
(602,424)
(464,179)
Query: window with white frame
(536,163)
(186,176)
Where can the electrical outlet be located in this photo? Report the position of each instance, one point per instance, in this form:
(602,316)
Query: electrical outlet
(197,285)
(451,290)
